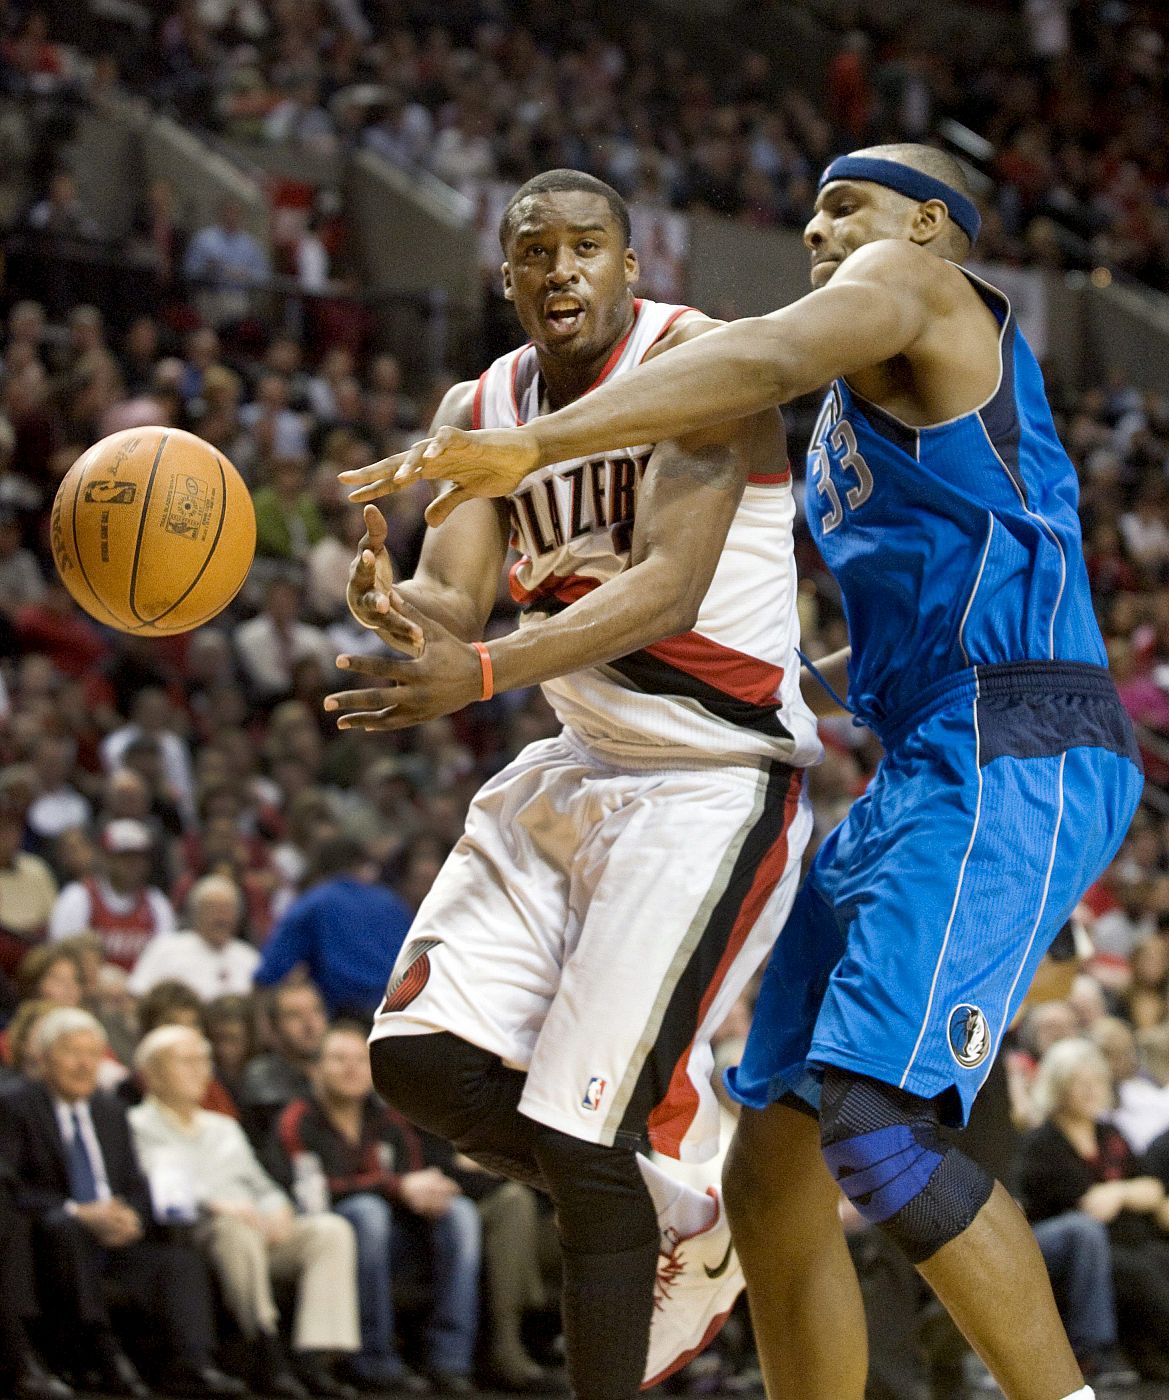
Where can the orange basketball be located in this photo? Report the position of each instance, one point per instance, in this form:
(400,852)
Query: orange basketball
(153,531)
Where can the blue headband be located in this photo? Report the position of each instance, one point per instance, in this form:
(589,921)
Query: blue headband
(909,182)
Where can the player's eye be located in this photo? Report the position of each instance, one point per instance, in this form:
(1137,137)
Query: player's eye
(587,245)
(536,250)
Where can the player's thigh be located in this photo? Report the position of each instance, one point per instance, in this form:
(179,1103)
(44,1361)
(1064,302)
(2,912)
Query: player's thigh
(683,888)
(775,1173)
(484,953)
(970,875)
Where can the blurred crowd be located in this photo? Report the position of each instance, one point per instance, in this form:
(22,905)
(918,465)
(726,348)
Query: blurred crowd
(187,841)
(203,884)
(1063,117)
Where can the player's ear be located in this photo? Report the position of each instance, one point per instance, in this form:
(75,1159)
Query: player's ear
(508,293)
(632,267)
(929,220)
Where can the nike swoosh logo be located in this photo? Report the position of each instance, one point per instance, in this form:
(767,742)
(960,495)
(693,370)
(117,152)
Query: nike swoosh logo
(723,1267)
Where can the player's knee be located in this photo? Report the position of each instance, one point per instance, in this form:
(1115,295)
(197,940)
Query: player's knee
(602,1203)
(461,1093)
(433,1079)
(743,1182)
(884,1148)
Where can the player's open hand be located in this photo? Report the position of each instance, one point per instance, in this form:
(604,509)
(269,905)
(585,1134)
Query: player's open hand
(445,675)
(489,462)
(370,594)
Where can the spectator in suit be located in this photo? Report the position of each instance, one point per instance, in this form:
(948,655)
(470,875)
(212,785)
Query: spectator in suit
(380,1181)
(22,1374)
(79,1181)
(203,1167)
(275,1078)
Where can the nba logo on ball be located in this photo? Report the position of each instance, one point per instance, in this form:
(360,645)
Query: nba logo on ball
(592,1095)
(969,1036)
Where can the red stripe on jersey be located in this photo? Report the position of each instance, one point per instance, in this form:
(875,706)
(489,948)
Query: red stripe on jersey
(733,672)
(671,1120)
(477,402)
(565,588)
(681,311)
(618,349)
(515,370)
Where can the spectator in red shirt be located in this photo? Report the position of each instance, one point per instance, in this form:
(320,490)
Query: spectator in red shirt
(120,906)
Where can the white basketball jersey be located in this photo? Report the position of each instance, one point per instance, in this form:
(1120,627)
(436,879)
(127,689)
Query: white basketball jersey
(727,691)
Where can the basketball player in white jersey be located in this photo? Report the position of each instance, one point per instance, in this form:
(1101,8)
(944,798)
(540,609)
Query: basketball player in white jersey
(617,885)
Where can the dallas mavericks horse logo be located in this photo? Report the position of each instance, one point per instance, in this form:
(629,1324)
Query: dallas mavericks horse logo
(969,1036)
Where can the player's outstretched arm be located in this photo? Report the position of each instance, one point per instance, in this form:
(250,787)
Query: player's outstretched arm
(686,503)
(876,307)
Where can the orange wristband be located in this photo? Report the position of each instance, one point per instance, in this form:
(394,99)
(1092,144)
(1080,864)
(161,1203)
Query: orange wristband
(488,673)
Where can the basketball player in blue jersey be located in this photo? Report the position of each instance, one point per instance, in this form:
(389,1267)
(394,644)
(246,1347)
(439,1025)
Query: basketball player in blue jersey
(945,506)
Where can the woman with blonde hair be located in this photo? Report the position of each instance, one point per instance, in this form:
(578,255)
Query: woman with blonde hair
(1076,1160)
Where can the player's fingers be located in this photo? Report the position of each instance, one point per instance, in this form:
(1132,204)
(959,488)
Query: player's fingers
(441,507)
(378,699)
(361,571)
(386,668)
(371,720)
(433,458)
(384,478)
(376,528)
(376,471)
(375,605)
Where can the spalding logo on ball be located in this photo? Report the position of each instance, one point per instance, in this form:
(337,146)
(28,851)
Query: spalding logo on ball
(153,531)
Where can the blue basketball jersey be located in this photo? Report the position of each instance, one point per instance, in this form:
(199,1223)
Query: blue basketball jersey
(955,545)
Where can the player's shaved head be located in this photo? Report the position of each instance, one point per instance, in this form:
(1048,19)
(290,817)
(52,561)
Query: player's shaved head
(940,165)
(563,182)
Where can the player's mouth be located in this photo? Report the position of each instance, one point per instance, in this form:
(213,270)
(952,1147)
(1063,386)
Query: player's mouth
(823,268)
(563,315)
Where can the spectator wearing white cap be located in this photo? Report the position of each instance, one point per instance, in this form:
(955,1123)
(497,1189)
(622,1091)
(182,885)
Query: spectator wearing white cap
(119,904)
(208,956)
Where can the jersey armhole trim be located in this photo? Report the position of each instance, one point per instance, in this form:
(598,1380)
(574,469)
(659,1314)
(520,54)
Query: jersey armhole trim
(674,316)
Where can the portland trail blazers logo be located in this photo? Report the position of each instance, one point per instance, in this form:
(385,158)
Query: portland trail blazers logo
(414,975)
(969,1036)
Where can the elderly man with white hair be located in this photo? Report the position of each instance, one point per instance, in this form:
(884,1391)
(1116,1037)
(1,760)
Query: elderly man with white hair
(79,1181)
(208,957)
(203,1169)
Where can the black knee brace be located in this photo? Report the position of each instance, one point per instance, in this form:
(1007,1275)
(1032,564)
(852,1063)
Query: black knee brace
(602,1203)
(885,1149)
(461,1093)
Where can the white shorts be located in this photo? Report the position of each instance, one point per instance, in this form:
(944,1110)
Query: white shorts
(595,925)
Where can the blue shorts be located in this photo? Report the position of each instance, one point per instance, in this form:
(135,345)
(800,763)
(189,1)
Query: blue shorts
(926,912)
